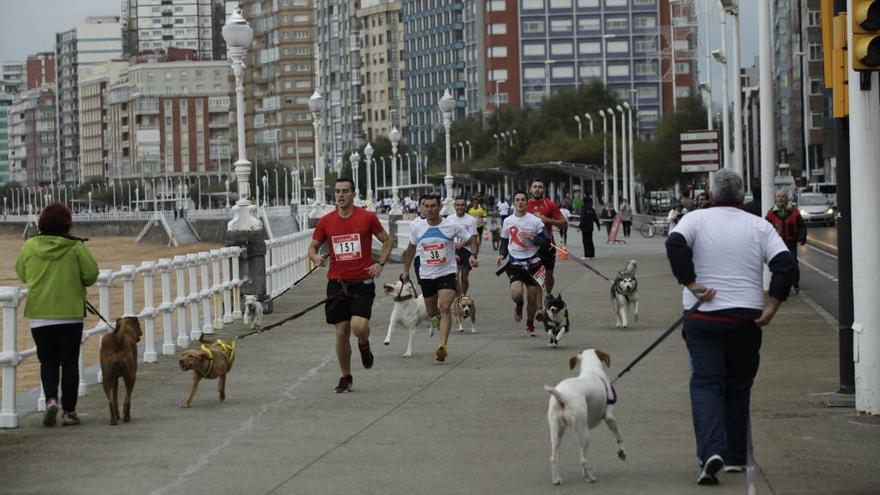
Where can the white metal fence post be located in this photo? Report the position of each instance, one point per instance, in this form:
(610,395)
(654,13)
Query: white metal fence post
(166,308)
(227,284)
(180,301)
(216,289)
(148,268)
(9,357)
(105,285)
(205,294)
(192,261)
(236,280)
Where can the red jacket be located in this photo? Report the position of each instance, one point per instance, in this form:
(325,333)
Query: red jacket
(790,227)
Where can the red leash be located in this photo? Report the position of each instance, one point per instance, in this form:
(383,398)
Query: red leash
(581,262)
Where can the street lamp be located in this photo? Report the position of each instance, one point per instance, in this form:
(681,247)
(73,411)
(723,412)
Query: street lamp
(731,7)
(286,190)
(604,157)
(614,157)
(265,189)
(238,35)
(705,87)
(227,193)
(447,105)
(394,135)
(355,159)
(719,57)
(623,149)
(497,143)
(368,154)
(631,196)
(461,150)
(316,106)
(590,120)
(276,184)
(90,202)
(577,119)
(497,94)
(470,150)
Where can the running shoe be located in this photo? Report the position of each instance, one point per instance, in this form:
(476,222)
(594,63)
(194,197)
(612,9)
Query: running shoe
(517,312)
(366,354)
(51,413)
(345,384)
(709,470)
(736,468)
(69,419)
(530,329)
(441,353)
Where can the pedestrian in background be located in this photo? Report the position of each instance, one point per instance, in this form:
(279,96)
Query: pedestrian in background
(607,215)
(57,268)
(718,254)
(790,226)
(626,217)
(588,218)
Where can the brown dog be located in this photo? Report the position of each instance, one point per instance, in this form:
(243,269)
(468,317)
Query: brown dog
(465,309)
(119,359)
(213,360)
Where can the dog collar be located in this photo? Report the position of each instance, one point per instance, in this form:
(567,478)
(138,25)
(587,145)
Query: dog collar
(403,298)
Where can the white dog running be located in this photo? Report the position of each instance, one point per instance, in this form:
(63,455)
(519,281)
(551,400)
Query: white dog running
(409,311)
(253,312)
(581,403)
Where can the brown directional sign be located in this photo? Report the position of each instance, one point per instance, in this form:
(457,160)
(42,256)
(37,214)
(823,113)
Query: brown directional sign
(700,151)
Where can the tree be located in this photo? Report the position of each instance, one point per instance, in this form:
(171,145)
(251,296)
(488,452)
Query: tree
(659,161)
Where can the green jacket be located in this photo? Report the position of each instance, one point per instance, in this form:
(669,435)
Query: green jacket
(57,271)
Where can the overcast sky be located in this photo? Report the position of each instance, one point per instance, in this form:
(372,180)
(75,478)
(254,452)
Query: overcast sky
(29,26)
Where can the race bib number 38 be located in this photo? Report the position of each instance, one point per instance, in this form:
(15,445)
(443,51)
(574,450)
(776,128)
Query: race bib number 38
(346,247)
(434,254)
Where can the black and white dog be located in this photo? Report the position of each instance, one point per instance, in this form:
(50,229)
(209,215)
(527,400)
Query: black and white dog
(625,293)
(555,319)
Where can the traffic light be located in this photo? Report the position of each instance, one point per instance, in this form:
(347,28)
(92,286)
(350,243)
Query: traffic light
(865,47)
(839,69)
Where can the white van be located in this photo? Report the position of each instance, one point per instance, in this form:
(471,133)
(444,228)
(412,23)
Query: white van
(829,189)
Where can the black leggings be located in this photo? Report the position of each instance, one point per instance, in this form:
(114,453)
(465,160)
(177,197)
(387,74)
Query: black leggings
(58,345)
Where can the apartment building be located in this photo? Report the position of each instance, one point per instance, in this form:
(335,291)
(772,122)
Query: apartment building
(40,69)
(168,118)
(434,41)
(32,120)
(382,84)
(502,63)
(98,40)
(11,82)
(475,56)
(278,81)
(92,87)
(337,70)
(196,25)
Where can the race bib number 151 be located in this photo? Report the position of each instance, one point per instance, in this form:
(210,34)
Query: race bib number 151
(347,247)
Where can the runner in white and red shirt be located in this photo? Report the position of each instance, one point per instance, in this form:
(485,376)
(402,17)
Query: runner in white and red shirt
(435,240)
(522,236)
(550,214)
(348,233)
(463,246)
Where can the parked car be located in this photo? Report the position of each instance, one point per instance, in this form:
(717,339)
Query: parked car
(828,189)
(816,208)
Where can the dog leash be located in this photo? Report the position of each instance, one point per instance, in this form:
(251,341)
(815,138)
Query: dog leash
(297,282)
(660,339)
(327,299)
(91,309)
(581,262)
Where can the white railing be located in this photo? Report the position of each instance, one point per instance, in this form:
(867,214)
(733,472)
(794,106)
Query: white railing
(219,213)
(287,261)
(403,233)
(376,243)
(206,296)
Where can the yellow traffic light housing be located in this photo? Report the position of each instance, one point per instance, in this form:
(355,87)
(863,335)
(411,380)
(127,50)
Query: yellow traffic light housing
(865,46)
(839,69)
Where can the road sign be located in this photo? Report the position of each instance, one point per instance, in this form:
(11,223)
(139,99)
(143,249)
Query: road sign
(699,151)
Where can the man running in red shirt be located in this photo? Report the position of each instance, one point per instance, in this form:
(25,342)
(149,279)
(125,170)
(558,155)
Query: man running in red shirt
(349,232)
(549,213)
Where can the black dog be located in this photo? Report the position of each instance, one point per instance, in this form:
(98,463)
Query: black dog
(555,319)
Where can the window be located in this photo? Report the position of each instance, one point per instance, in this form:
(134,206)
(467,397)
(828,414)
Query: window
(588,4)
(815,51)
(560,4)
(561,49)
(499,28)
(618,70)
(534,73)
(562,72)
(300,18)
(498,75)
(645,22)
(815,18)
(648,115)
(682,91)
(618,23)
(560,25)
(588,24)
(649,93)
(617,46)
(496,6)
(591,71)
(590,47)
(497,52)
(646,69)
(816,120)
(533,50)
(532,4)
(616,3)
(643,2)
(533,27)
(645,46)
(683,68)
(816,87)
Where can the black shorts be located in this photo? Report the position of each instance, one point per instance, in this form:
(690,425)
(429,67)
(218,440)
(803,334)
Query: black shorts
(416,263)
(548,257)
(431,286)
(480,232)
(464,257)
(357,302)
(517,273)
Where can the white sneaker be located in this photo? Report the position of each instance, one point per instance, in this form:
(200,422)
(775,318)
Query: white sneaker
(710,469)
(735,468)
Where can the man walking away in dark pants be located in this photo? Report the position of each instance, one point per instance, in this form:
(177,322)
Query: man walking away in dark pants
(588,218)
(790,226)
(724,249)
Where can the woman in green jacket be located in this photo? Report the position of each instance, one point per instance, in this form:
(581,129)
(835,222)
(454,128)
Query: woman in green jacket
(57,269)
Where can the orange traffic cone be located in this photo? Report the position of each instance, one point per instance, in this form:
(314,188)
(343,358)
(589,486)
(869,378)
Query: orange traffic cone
(563,252)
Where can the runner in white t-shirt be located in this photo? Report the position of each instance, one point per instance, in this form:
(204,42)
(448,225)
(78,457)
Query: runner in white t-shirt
(434,238)
(521,237)
(503,208)
(463,251)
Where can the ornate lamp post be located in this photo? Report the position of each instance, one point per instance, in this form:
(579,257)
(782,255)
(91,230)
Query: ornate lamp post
(604,157)
(90,202)
(395,200)
(238,35)
(227,193)
(368,153)
(590,120)
(631,195)
(316,106)
(614,193)
(355,159)
(447,105)
(623,150)
(265,190)
(286,190)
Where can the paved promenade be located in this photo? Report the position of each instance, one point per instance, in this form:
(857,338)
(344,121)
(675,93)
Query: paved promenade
(474,425)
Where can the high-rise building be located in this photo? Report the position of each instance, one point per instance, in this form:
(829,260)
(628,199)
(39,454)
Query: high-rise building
(434,41)
(168,118)
(278,81)
(40,69)
(337,69)
(32,154)
(501,25)
(678,43)
(93,83)
(475,56)
(152,25)
(98,40)
(11,82)
(381,77)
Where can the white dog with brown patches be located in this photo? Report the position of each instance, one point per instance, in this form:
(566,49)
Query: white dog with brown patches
(582,402)
(409,311)
(465,309)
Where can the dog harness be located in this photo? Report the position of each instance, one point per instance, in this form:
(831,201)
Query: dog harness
(228,352)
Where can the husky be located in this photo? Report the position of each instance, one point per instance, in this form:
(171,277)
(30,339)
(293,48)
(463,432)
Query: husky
(625,293)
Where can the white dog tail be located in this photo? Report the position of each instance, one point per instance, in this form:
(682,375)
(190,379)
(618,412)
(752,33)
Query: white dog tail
(555,393)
